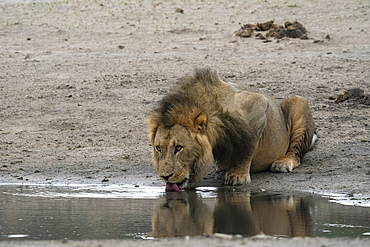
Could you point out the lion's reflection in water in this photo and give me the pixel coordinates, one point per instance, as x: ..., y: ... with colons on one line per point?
x: 237, y: 212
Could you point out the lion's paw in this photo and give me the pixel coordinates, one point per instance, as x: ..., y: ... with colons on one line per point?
x: 237, y: 178
x: 283, y: 165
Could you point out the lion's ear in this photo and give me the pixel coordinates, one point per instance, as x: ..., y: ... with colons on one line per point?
x: 200, y: 122
x: 152, y: 127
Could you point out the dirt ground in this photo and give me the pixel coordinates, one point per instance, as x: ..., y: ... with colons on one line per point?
x: 78, y: 78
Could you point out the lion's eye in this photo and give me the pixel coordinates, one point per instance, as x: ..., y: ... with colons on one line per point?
x: 178, y: 148
x: 158, y: 148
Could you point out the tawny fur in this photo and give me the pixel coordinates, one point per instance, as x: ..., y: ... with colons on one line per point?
x: 241, y: 131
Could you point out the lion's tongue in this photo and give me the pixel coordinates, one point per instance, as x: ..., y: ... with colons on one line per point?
x: 172, y: 187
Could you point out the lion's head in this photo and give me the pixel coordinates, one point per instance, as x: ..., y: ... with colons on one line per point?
x: 180, y: 157
x: 182, y: 130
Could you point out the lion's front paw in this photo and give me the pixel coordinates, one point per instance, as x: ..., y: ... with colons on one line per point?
x: 284, y: 165
x: 237, y: 178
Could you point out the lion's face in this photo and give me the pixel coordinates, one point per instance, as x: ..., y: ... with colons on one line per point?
x: 174, y: 154
x: 179, y: 156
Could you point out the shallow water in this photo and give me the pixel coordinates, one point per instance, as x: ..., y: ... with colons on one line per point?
x: 35, y: 212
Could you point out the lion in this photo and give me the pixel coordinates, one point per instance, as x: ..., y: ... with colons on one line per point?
x: 205, y: 120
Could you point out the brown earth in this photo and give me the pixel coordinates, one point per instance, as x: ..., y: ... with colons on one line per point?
x: 77, y: 79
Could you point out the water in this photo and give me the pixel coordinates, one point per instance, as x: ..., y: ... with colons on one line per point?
x: 76, y: 212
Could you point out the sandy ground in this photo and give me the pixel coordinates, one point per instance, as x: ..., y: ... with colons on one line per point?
x: 77, y: 79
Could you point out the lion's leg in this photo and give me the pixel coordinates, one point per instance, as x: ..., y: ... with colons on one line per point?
x: 255, y: 109
x: 301, y: 127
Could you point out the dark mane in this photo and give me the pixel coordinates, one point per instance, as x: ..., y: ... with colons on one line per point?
x: 233, y: 145
x: 192, y: 95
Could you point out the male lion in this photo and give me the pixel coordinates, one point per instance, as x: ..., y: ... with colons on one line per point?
x: 206, y: 120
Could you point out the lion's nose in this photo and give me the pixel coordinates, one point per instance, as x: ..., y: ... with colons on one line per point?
x: 167, y: 177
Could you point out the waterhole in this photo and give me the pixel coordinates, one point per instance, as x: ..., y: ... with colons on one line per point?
x: 79, y: 212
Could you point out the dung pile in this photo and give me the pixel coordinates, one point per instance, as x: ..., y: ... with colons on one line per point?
x: 355, y: 95
x: 289, y: 30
